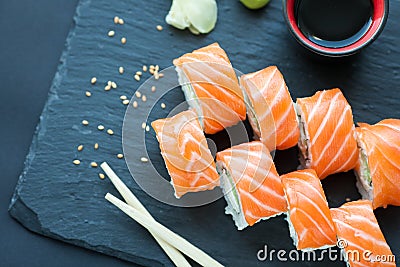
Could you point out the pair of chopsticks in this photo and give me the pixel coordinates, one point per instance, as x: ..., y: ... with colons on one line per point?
x: 170, y: 242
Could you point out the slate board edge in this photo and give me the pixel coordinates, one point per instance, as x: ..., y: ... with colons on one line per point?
x: 17, y: 208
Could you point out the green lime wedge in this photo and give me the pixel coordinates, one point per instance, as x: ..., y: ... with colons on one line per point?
x: 254, y: 4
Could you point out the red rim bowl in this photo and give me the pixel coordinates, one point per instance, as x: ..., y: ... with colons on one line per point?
x: 381, y: 11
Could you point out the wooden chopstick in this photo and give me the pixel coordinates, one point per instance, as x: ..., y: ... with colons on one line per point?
x: 177, y: 258
x: 158, y: 229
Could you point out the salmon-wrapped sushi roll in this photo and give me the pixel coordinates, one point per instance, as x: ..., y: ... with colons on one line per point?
x: 309, y: 217
x: 271, y: 113
x: 251, y: 184
x: 360, y: 237
x: 185, y: 151
x: 211, y: 87
x: 327, y: 138
x: 378, y: 168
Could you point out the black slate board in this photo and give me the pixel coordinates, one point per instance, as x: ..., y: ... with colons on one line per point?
x: 57, y: 199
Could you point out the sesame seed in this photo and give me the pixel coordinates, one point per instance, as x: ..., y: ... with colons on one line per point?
x: 121, y: 21
x: 123, y: 40
x: 111, y: 33
x: 152, y: 67
x: 116, y: 19
x: 144, y: 159
x: 102, y: 176
x: 107, y: 87
x: 151, y: 71
x: 114, y: 85
x: 85, y: 122
x: 161, y: 75
x: 159, y: 28
x: 110, y: 132
x: 77, y: 162
x: 93, y: 80
x: 135, y: 104
x: 147, y: 128
x: 144, y: 98
x: 109, y: 83
x: 80, y: 147
x: 100, y: 127
x: 143, y: 125
x: 348, y: 199
x: 88, y: 94
x: 125, y: 102
x: 139, y: 73
x: 156, y: 76
x: 163, y: 105
x: 123, y: 97
x: 120, y: 156
x: 93, y: 164
x: 144, y: 68
x: 121, y: 70
x: 138, y: 94
x: 137, y: 77
x: 96, y: 146
x: 153, y: 88
x: 157, y: 68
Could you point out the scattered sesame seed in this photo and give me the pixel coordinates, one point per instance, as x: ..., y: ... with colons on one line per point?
x: 137, y: 77
x: 93, y: 80
x: 102, y: 176
x: 96, y: 146
x: 80, y: 147
x: 121, y: 70
x: 114, y: 85
x: 163, y: 105
x: 144, y: 68
x: 139, y: 73
x: 111, y: 33
x: 123, y: 40
x: 88, y: 94
x: 85, y: 122
x: 156, y: 75
x: 109, y: 83
x: 147, y: 128
x: 135, y: 104
x: 152, y: 67
x: 157, y: 68
x: 144, y: 159
x: 153, y: 88
x: 93, y: 164
x: 123, y: 97
x: 348, y: 199
x: 120, y: 156
x: 107, y: 87
x: 159, y: 28
x: 151, y: 71
x: 143, y: 125
x: 110, y: 132
x: 161, y: 75
x: 125, y: 102
x: 116, y: 19
x: 144, y: 98
x: 77, y: 162
x: 100, y: 127
x: 138, y: 94
x: 121, y: 21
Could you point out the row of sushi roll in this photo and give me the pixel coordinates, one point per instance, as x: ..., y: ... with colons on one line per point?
x: 321, y: 125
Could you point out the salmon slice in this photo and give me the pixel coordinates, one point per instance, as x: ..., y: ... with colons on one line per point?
x: 211, y: 87
x: 327, y: 137
x: 185, y: 151
x: 309, y: 218
x: 359, y: 235
x: 378, y: 167
x: 271, y: 110
x: 251, y: 184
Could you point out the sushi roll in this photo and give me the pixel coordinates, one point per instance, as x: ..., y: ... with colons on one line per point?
x: 309, y: 217
x: 271, y: 110
x: 327, y: 138
x: 378, y: 168
x: 359, y: 235
x: 211, y: 87
x: 250, y: 183
x: 185, y: 151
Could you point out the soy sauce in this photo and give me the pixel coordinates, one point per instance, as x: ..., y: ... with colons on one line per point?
x: 334, y: 23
